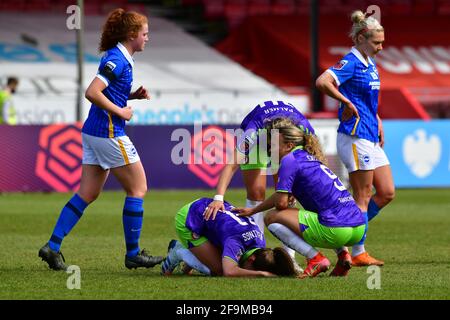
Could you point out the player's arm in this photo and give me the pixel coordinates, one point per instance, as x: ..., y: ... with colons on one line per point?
x: 224, y: 181
x: 327, y: 84
x: 232, y: 269
x: 279, y: 200
x: 94, y: 93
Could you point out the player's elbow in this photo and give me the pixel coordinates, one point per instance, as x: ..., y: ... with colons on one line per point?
x: 230, y: 270
x: 229, y: 273
x: 321, y: 84
x: 281, y: 204
x: 89, y: 95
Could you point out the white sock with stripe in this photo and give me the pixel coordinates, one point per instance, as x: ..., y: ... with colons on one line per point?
x: 258, y: 217
x: 292, y: 240
x: 187, y: 256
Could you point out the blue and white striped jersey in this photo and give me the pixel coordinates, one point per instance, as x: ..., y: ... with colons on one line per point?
x: 116, y: 71
x: 359, y: 82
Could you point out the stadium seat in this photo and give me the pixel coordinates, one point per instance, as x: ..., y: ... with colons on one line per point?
x: 423, y: 7
x: 235, y: 12
x: 443, y: 7
x: 37, y: 5
x: 258, y: 7
x: 302, y: 7
x: 213, y: 9
x: 400, y: 7
x: 284, y: 7
x: 8, y: 5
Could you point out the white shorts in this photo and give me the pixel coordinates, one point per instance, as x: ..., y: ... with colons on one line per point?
x: 360, y: 154
x: 108, y: 152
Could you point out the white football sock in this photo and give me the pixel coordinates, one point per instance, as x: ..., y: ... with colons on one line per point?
x: 187, y: 256
x: 292, y: 240
x: 258, y: 217
x: 357, y: 249
x: 290, y: 251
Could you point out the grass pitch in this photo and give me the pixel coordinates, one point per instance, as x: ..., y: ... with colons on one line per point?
x: 412, y: 236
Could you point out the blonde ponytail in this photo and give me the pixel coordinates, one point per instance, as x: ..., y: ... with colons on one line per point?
x: 362, y: 25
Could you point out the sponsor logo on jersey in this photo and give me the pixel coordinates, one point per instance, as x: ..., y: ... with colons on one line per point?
x: 110, y: 65
x: 340, y: 65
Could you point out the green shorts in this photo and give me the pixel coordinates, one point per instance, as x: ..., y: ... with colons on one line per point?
x: 256, y: 160
x: 187, y: 238
x: 322, y: 236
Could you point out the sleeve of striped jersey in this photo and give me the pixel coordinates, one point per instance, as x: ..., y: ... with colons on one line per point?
x: 110, y: 70
x: 342, y: 71
x: 286, y: 175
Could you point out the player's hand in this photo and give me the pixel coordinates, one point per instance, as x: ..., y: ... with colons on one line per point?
x: 212, y: 209
x: 126, y: 113
x: 140, y: 93
x: 291, y: 201
x: 380, y: 132
x: 267, y: 274
x: 349, y: 111
x: 243, y: 212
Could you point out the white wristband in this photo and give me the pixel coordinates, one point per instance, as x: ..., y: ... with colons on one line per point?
x: 218, y: 197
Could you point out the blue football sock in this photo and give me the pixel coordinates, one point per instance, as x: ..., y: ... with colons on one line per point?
x: 373, y: 209
x: 133, y: 213
x: 363, y: 239
x: 68, y: 218
x: 359, y: 248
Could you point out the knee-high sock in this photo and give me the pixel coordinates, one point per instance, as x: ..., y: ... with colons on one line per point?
x: 290, y: 251
x: 68, y: 218
x: 133, y: 213
x: 258, y: 217
x: 187, y: 256
x: 292, y: 240
x: 359, y: 247
x: 373, y: 210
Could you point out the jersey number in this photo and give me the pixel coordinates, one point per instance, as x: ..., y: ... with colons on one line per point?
x: 240, y: 220
x: 337, y: 184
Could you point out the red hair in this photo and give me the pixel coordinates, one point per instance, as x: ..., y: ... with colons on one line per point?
x: 119, y: 26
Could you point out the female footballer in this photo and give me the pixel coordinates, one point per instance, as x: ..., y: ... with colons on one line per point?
x: 360, y: 134
x: 227, y: 246
x: 106, y: 146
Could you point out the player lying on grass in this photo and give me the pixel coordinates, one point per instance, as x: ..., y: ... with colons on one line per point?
x: 227, y: 246
x: 330, y: 219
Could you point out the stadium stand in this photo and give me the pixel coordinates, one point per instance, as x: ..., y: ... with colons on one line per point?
x: 186, y: 78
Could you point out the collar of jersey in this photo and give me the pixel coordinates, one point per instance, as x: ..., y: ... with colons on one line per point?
x: 360, y: 57
x: 247, y: 254
x: 125, y: 52
x: 297, y: 148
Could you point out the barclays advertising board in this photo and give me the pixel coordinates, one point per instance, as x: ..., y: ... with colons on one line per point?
x: 419, y: 152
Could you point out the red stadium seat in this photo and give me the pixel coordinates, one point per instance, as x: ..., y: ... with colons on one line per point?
x: 214, y: 9
x: 258, y: 7
x: 443, y: 7
x: 284, y: 7
x: 400, y: 7
x: 37, y: 5
x: 235, y: 12
x: 423, y: 7
x: 15, y: 6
